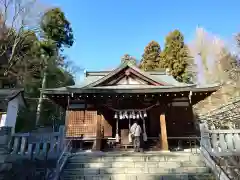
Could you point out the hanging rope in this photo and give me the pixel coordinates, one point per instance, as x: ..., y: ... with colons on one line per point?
x: 144, y: 131
x: 144, y: 109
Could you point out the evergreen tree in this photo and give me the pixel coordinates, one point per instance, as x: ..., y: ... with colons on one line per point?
x: 175, y: 56
x: 150, y: 58
x: 129, y: 58
x: 58, y: 34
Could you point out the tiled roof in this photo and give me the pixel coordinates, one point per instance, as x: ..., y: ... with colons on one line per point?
x: 8, y: 94
x: 92, y: 83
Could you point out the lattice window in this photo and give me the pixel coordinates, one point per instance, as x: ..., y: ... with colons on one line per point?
x: 81, y: 123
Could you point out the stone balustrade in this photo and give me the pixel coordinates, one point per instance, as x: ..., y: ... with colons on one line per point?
x: 220, y: 142
x: 36, y: 145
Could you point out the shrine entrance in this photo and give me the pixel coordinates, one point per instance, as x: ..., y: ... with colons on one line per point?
x: 124, y: 120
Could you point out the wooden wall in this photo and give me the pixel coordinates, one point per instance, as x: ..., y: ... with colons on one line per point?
x: 107, y: 123
x: 180, y: 121
x: 81, y: 123
x: 84, y: 123
x: 153, y: 127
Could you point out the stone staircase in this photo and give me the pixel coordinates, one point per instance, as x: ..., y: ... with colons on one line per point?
x: 3, y: 156
x: 3, y: 153
x: 136, y: 166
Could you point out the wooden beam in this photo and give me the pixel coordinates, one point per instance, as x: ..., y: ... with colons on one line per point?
x: 163, y: 140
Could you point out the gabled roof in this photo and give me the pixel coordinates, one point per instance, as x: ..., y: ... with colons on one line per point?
x: 157, y: 78
x: 9, y: 94
x: 98, y: 82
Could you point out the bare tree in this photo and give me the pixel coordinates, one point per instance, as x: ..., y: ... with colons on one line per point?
x: 72, y: 68
x: 221, y: 63
x: 208, y: 50
x: 17, y: 17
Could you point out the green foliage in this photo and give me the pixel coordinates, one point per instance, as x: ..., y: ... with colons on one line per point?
x: 175, y: 56
x: 57, y: 28
x: 150, y: 58
x: 128, y: 58
x: 25, y: 120
x: 22, y: 60
x: 58, y: 77
x: 46, y: 60
x: 57, y: 34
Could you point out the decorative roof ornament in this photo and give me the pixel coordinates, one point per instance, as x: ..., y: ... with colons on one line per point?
x: 168, y: 71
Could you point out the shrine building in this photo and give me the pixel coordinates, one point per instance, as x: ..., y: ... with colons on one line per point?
x: 102, y: 108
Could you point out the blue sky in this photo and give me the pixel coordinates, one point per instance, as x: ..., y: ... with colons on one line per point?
x: 106, y: 29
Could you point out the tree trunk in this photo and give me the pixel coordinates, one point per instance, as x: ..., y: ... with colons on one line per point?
x: 40, y: 100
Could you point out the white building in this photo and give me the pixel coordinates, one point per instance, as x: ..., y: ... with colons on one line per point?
x: 10, y: 102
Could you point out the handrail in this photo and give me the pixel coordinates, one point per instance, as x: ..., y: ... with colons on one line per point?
x: 62, y: 159
x: 217, y: 165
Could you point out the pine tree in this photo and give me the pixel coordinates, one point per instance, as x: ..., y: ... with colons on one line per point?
x: 175, y: 56
x: 150, y: 58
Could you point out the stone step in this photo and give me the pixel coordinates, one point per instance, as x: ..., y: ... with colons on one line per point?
x: 136, y: 166
x: 132, y: 164
x: 141, y: 158
x: 201, y: 176
x: 150, y: 170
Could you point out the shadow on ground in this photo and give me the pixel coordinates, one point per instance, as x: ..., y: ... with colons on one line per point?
x: 98, y: 167
x: 23, y: 169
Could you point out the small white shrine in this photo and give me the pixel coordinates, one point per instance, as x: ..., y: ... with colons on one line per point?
x: 10, y: 101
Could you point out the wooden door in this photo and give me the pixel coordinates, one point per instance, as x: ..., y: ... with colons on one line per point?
x: 124, y: 131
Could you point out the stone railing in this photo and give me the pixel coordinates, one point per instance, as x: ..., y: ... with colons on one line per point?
x: 220, y: 142
x: 37, y: 145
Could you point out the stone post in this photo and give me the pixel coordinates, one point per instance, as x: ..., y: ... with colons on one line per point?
x: 45, y: 145
x: 30, y: 151
x: 23, y: 145
x: 61, y: 139
x: 16, y: 145
x: 37, y: 149
x: 205, y: 136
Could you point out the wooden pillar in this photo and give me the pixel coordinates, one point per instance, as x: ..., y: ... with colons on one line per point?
x: 164, y: 140
x: 98, y: 133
